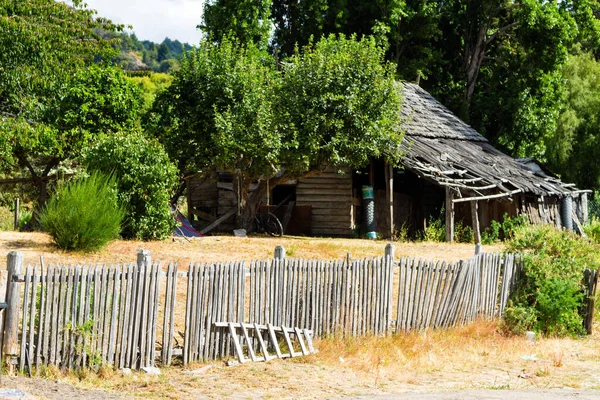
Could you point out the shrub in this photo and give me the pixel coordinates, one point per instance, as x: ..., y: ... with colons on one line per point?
x: 550, y: 293
x: 592, y: 230
x: 145, y: 177
x: 505, y: 230
x: 83, y: 214
x: 436, y: 231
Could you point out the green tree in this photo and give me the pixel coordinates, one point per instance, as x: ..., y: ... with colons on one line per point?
x: 297, y: 21
x: 500, y: 65
x: 575, y: 146
x: 333, y: 104
x: 245, y: 20
x: 46, y: 50
x: 94, y: 100
x: 164, y: 52
x: 145, y: 180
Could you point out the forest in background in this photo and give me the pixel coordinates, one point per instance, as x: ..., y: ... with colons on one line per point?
x: 145, y: 55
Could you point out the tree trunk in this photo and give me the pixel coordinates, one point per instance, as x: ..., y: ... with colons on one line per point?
x: 248, y: 202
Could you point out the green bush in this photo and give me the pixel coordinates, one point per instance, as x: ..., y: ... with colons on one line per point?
x: 145, y: 177
x: 436, y: 231
x: 505, y: 230
x: 592, y: 230
x: 83, y: 214
x: 550, y: 295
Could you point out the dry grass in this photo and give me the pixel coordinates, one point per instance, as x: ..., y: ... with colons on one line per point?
x: 223, y: 248
x: 471, y: 357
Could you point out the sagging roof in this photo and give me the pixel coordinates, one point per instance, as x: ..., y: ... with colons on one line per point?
x: 445, y: 150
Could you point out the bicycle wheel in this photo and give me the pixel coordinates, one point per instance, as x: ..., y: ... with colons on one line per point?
x: 272, y: 225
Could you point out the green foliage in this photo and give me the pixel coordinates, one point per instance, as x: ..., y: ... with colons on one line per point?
x: 498, y: 231
x: 338, y: 105
x: 435, y: 230
x: 575, y: 146
x: 219, y: 110
x: 145, y: 179
x: 97, y: 99
x: 592, y: 230
x: 244, y: 20
x: 53, y: 97
x: 228, y: 107
x: 550, y: 290
x: 150, y: 84
x: 462, y: 233
x: 84, y: 214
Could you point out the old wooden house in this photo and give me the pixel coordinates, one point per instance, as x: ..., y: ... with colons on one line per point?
x: 446, y: 166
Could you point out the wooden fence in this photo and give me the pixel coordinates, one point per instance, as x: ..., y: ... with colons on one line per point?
x: 74, y: 316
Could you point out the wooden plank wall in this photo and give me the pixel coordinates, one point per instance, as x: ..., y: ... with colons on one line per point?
x: 330, y: 195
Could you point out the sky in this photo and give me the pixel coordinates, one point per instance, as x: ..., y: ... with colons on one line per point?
x: 154, y: 19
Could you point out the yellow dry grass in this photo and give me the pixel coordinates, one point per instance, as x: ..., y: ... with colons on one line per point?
x: 223, y: 248
x: 471, y: 357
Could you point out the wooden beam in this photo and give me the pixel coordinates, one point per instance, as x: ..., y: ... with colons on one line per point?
x: 493, y: 196
x: 475, y: 217
x: 449, y: 215
x: 218, y: 222
x: 389, y: 195
x: 204, y: 215
x: 584, y: 208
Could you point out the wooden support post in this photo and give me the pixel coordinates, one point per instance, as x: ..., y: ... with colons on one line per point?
x: 475, y: 217
x: 144, y: 257
x: 14, y: 265
x: 389, y: 195
x: 584, y: 208
x: 17, y: 212
x: 449, y: 215
x: 279, y: 253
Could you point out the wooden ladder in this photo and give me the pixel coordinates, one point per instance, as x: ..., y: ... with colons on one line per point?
x: 303, y: 337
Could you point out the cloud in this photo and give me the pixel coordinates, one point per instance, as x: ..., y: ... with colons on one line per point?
x: 155, y: 19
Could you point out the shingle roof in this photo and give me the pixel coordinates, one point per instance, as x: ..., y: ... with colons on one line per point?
x: 425, y: 116
x: 445, y: 150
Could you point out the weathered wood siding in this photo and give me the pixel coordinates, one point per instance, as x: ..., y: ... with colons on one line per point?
x: 202, y: 192
x: 330, y: 195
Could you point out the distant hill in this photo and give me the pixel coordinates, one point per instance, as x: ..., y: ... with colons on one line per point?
x: 145, y: 55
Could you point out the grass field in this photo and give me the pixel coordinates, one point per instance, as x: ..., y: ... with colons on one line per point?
x: 477, y: 356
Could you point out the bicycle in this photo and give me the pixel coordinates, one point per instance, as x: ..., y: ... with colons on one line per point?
x: 267, y: 222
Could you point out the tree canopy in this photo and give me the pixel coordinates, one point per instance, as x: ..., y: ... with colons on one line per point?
x: 56, y: 90
x: 335, y: 103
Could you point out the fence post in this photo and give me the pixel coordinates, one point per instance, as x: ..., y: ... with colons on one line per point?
x: 14, y: 265
x: 279, y: 253
x: 144, y: 257
x: 17, y: 212
x: 389, y: 250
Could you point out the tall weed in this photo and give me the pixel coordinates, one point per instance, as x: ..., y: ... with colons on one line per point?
x: 84, y: 214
